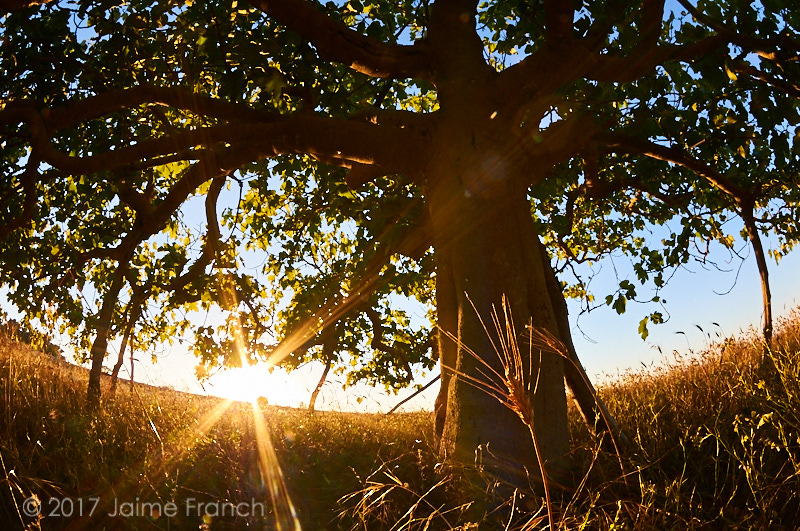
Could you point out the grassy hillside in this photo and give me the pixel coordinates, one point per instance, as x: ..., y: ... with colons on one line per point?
x: 159, y: 446
x: 714, y: 444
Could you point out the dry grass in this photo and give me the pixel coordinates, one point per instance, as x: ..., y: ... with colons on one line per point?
x: 715, y: 445
x: 716, y: 436
x: 163, y: 446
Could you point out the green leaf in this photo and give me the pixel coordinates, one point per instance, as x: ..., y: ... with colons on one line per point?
x: 619, y: 304
x: 643, y: 328
x: 731, y: 74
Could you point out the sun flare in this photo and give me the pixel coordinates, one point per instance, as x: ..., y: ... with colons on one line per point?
x: 251, y: 382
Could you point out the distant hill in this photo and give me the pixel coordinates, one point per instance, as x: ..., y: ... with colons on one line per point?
x: 160, y: 445
x: 12, y: 330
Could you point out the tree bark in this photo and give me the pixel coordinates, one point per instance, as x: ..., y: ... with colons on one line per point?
x: 763, y: 271
x: 592, y: 408
x: 328, y: 348
x: 448, y: 328
x: 133, y: 316
x: 487, y: 246
x: 100, y: 344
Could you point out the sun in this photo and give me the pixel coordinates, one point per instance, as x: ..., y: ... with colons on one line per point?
x: 250, y: 382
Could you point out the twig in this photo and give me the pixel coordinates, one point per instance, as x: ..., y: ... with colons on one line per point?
x: 420, y: 390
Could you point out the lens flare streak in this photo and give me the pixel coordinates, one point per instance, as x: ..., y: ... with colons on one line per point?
x: 272, y: 475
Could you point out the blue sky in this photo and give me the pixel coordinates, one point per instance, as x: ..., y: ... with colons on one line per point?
x: 698, y: 296
x: 608, y: 344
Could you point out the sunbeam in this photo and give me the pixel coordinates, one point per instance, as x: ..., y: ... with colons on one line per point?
x: 272, y: 475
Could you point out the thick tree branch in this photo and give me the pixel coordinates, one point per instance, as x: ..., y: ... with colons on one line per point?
x: 353, y: 141
x: 214, y: 163
x: 8, y: 6
x: 561, y: 141
x: 652, y: 16
x: 177, y: 97
x: 212, y: 239
x: 792, y: 89
x: 153, y: 218
x: 523, y: 82
x: 558, y: 19
x: 778, y: 48
x: 677, y: 156
x: 361, y: 174
x: 395, y: 117
x: 335, y: 42
x: 644, y: 59
x: 138, y: 201
x: 349, y: 142
x: 594, y: 188
x: 457, y: 47
x: 565, y: 59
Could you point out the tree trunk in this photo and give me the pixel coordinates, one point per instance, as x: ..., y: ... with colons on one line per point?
x: 487, y: 249
x: 100, y: 344
x: 592, y: 408
x: 763, y: 272
x: 112, y: 392
x: 328, y: 348
x: 135, y: 311
x: 448, y: 328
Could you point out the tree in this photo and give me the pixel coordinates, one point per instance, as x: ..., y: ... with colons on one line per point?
x: 445, y: 151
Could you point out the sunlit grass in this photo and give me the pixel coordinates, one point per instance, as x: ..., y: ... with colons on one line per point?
x: 163, y: 446
x: 714, y: 445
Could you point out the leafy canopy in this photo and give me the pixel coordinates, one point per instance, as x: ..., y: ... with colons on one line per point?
x: 260, y: 162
